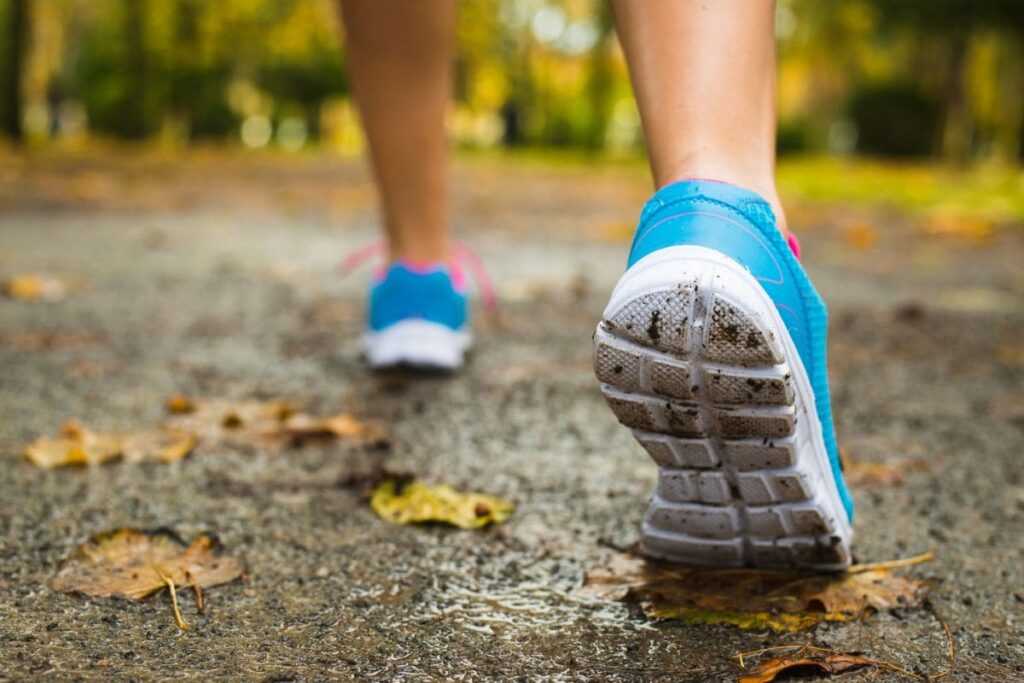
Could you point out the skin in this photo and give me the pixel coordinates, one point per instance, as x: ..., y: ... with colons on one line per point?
x: 400, y: 55
x: 703, y: 72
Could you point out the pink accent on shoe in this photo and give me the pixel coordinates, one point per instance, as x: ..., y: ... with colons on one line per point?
x: 794, y: 244
x: 457, y: 275
x: 463, y: 253
x: 359, y: 256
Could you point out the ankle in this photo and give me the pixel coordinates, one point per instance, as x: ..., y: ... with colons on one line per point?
x: 421, y: 255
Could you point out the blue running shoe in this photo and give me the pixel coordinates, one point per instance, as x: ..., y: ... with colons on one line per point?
x: 712, y: 350
x: 417, y: 317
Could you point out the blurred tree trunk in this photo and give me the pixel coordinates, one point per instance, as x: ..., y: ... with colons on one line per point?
x: 516, y: 109
x: 135, y: 124
x: 957, y: 122
x: 183, y: 82
x: 1010, y: 122
x: 600, y: 81
x: 312, y: 112
x: 18, y: 26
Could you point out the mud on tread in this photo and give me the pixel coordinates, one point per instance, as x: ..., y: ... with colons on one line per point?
x: 701, y: 378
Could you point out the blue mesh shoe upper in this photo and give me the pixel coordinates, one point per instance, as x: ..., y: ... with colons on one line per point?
x: 405, y: 293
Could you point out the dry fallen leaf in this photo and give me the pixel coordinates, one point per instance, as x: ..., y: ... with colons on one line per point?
x: 134, y: 563
x: 241, y: 424
x: 891, y: 473
x: 225, y: 421
x: 128, y: 563
x: 78, y: 445
x: 264, y: 424
x: 48, y: 340
x: 1010, y: 355
x: 860, y: 473
x: 416, y: 502
x: 180, y: 405
x: 860, y: 236
x: 798, y: 659
x: 972, y: 226
x: 784, y: 601
x: 825, y: 662
x: 617, y: 232
x: 50, y: 453
x: 36, y: 287
x: 162, y: 445
x: 301, y: 427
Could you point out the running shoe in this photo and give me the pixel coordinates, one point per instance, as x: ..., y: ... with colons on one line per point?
x: 712, y: 350
x: 417, y: 317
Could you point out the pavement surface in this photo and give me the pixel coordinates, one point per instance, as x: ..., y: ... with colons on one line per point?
x: 217, y: 279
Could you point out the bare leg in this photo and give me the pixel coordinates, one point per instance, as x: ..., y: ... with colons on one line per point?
x: 704, y: 76
x: 401, y: 54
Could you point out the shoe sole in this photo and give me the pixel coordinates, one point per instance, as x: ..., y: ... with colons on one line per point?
x: 418, y: 344
x: 693, y: 356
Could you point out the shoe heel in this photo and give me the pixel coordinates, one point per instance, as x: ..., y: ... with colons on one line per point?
x: 693, y: 357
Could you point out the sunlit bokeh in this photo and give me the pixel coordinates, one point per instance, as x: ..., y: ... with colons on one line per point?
x: 912, y: 79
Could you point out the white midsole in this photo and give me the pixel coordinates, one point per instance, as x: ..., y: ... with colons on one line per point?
x: 416, y: 342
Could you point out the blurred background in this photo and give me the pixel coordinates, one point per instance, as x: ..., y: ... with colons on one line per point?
x: 180, y: 179
x: 932, y: 87
x: 909, y: 78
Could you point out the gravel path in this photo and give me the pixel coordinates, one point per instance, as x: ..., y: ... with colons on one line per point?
x: 234, y: 293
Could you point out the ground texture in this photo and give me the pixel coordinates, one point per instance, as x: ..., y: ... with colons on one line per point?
x: 218, y: 278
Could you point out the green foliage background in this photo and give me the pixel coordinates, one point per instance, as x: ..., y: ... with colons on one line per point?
x: 912, y: 78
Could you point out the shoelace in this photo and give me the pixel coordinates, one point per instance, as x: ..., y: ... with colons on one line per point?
x: 463, y: 254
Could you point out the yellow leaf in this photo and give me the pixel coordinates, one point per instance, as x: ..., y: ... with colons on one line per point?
x: 36, y: 287
x: 416, y: 502
x: 50, y: 453
x: 78, y: 445
x: 162, y: 445
x: 750, y: 621
x: 784, y: 601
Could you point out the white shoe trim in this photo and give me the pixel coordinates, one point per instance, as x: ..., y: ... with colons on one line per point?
x: 418, y: 343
